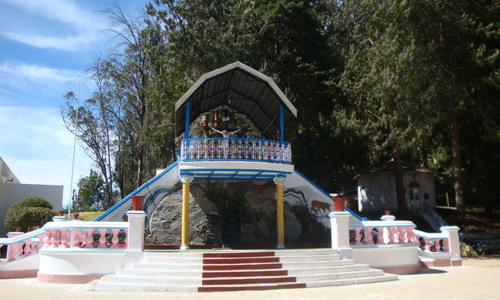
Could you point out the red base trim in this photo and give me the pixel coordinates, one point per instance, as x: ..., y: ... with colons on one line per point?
x: 441, y: 263
x: 18, y: 274
x: 401, y: 270
x: 244, y: 246
x: 72, y: 279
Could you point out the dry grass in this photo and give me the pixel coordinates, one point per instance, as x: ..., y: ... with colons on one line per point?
x: 475, y: 219
x: 88, y: 216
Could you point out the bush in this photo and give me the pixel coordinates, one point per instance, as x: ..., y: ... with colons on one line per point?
x: 30, y: 213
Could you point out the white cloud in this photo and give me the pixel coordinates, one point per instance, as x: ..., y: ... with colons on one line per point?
x: 38, y: 148
x: 77, y: 27
x: 32, y: 72
x: 64, y: 11
x: 71, y: 43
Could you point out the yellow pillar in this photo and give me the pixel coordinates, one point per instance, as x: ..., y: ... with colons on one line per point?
x: 280, y: 220
x: 186, y: 180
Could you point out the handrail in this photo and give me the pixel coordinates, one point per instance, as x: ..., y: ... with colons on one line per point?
x: 22, y: 237
x: 23, y: 245
x: 235, y: 149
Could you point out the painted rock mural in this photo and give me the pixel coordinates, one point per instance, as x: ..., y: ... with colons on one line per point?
x: 250, y: 221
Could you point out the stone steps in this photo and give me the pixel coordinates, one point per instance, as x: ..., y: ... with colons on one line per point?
x: 239, y: 270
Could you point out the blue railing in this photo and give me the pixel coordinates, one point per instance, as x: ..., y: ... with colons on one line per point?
x: 235, y: 149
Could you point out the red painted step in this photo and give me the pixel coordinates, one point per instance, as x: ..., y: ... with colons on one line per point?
x: 251, y: 287
x: 238, y: 254
x: 221, y: 267
x: 214, y: 274
x: 248, y: 280
x: 241, y: 260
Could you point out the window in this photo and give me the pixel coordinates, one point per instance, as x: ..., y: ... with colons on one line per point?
x: 414, y: 191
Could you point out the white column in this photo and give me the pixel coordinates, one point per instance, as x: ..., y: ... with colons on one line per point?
x: 453, y: 241
x: 340, y: 233
x: 135, y: 246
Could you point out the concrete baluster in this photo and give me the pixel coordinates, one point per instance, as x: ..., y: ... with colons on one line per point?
x: 402, y: 235
x: 12, y: 250
x: 391, y: 235
x: 90, y: 237
x: 40, y: 243
x: 83, y: 238
x: 76, y: 238
x: 27, y: 247
x: 64, y: 238
x: 47, y: 239
x: 102, y: 238
x: 411, y: 236
x: 368, y: 236
x: 20, y: 249
x: 397, y: 238
x: 380, y: 239
x: 437, y: 245
x: 115, y: 237
x: 54, y: 242
x: 427, y: 244
x: 357, y: 237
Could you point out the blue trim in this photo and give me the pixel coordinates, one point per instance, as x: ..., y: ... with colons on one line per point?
x: 187, y: 120
x: 124, y: 200
x: 238, y: 170
x: 282, y: 124
x: 236, y: 139
x: 434, y: 235
x: 89, y: 250
x: 23, y: 240
x: 238, y: 159
x: 228, y: 178
x: 385, y: 246
x: 323, y: 191
x: 21, y: 258
x: 85, y: 227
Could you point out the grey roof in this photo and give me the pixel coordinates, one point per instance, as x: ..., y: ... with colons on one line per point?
x: 241, y: 88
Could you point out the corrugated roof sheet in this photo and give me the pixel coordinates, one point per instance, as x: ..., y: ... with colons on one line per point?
x: 241, y: 88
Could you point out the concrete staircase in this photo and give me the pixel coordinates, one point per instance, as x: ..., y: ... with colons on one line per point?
x: 239, y: 270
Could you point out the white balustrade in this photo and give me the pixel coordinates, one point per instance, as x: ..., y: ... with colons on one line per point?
x: 236, y: 149
x: 431, y: 242
x: 88, y: 235
x: 22, y: 244
x: 386, y: 232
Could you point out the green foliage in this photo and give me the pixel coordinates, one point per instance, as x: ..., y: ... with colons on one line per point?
x: 372, y: 80
x: 91, y: 194
x: 227, y: 203
x: 28, y: 214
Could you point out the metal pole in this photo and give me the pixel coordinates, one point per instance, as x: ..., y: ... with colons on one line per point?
x: 74, y: 148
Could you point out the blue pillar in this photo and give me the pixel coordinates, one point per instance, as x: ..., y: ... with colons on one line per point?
x: 282, y: 124
x: 187, y: 120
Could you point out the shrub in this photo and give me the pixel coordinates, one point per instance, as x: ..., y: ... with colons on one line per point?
x: 28, y: 214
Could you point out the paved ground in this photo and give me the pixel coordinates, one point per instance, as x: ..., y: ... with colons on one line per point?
x: 477, y: 279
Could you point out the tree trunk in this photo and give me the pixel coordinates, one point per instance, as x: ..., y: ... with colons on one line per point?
x: 400, y: 189
x: 399, y: 174
x: 457, y: 167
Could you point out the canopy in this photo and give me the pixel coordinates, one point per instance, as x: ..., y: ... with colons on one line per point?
x: 241, y: 88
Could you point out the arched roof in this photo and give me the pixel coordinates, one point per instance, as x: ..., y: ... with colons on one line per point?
x: 242, y: 88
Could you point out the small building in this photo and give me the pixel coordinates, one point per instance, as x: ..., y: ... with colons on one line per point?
x: 12, y: 191
x: 377, y: 188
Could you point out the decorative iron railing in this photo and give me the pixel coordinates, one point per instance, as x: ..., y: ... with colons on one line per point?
x: 203, y: 149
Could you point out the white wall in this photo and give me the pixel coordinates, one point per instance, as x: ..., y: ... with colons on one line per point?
x: 381, y: 190
x: 15, y: 192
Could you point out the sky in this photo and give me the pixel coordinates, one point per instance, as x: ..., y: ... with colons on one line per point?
x: 46, y: 46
